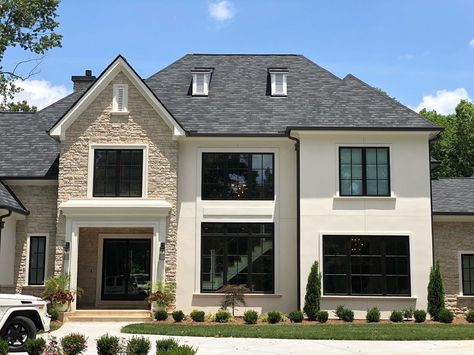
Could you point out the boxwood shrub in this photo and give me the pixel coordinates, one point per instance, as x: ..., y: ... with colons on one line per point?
x: 470, y: 316
x: 419, y: 315
x: 108, y: 345
x: 197, y: 316
x: 446, y: 316
x: 347, y: 315
x: 274, y: 317
x: 296, y: 316
x: 373, y: 315
x: 161, y: 315
x: 178, y: 316
x: 396, y: 316
x: 222, y: 316
x: 322, y: 316
x: 138, y: 346
x: 250, y: 316
x: 35, y: 346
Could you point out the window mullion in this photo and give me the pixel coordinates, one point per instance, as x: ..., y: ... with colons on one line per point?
x: 364, y: 173
x: 384, y: 267
x: 349, y: 266
x: 249, y: 262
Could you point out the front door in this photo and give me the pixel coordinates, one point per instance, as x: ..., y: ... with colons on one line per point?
x: 125, y: 269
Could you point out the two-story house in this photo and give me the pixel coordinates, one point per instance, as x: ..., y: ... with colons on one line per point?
x: 221, y: 169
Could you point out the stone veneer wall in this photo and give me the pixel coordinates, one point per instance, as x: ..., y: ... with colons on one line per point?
x: 142, y: 126
x: 41, y: 202
x: 449, y: 239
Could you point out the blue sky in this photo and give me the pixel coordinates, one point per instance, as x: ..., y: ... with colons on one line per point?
x: 421, y: 52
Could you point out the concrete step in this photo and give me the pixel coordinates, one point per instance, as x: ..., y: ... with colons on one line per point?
x: 108, y: 315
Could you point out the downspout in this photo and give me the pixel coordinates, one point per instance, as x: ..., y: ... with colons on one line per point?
x: 430, y: 148
x: 2, y: 225
x: 298, y: 222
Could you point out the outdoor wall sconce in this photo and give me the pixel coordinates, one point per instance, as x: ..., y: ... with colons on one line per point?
x: 67, y: 247
x: 162, y: 250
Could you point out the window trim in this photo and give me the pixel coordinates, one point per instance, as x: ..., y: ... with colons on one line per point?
x: 90, y: 172
x: 367, y: 234
x: 116, y: 88
x: 274, y: 264
x: 461, y: 271
x: 46, y: 256
x: 364, y: 179
x: 273, y: 74
x: 237, y: 151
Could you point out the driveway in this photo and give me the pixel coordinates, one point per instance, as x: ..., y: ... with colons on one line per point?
x: 225, y: 346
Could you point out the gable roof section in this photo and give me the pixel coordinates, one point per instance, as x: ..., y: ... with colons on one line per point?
x: 239, y: 100
x: 453, y: 196
x: 118, y: 65
x: 9, y: 201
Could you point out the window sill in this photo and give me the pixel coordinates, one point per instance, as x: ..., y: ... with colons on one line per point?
x: 398, y: 298
x: 247, y: 295
x: 466, y: 297
x: 34, y: 286
x: 120, y: 113
x: 364, y: 198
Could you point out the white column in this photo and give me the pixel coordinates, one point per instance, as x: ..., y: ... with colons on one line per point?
x: 73, y: 256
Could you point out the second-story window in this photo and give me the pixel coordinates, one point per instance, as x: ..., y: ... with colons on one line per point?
x: 118, y: 173
x: 364, y: 171
x: 237, y: 176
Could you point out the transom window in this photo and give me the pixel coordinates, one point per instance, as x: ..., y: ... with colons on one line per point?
x: 237, y: 176
x: 366, y: 265
x: 118, y: 173
x: 237, y: 253
x: 364, y: 171
x: 37, y: 260
x: 467, y: 263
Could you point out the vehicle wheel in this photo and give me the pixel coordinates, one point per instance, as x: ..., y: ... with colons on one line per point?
x: 17, y: 330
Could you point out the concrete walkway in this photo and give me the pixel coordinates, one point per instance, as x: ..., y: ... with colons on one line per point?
x: 228, y: 346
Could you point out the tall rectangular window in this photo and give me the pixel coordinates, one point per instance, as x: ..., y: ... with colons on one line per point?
x: 237, y: 253
x: 366, y: 265
x: 467, y: 263
x: 37, y: 260
x: 237, y: 176
x: 118, y: 173
x: 364, y: 171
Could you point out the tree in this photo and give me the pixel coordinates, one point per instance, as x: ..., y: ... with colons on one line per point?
x: 435, y: 292
x: 29, y: 25
x: 234, y: 295
x: 455, y: 146
x: 20, y: 106
x: 312, y: 299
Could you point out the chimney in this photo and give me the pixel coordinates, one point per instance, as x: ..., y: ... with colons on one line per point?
x: 82, y: 82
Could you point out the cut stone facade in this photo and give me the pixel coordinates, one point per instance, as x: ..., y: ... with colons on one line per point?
x: 97, y: 125
x: 449, y: 239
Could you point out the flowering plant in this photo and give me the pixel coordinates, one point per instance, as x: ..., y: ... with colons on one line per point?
x: 74, y: 344
x: 161, y: 294
x: 62, y: 297
x: 56, y: 290
x: 52, y: 347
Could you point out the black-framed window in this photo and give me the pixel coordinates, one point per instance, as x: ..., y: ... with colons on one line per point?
x: 237, y: 253
x: 366, y: 265
x: 467, y: 264
x: 364, y: 171
x: 118, y: 173
x: 237, y: 176
x: 37, y: 260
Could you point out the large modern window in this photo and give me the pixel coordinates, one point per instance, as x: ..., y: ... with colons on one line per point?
x: 36, y: 260
x: 467, y: 264
x: 237, y: 176
x: 237, y: 253
x: 118, y: 173
x: 366, y: 265
x: 364, y: 171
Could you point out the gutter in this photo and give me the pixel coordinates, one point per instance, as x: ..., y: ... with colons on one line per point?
x: 298, y: 222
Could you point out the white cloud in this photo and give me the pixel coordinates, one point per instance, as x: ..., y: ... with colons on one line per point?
x: 471, y: 42
x: 40, y: 93
x: 444, y: 101
x: 407, y: 56
x: 222, y: 11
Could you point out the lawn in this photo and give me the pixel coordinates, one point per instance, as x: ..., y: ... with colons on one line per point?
x: 369, y: 331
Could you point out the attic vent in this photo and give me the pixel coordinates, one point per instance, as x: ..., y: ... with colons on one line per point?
x: 201, y: 78
x: 279, y: 81
x: 120, y: 100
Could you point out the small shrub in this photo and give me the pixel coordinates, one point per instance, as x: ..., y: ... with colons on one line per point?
x: 419, y: 315
x: 322, y: 316
x: 198, y: 316
x: 3, y: 347
x: 165, y: 345
x: 274, y: 317
x: 263, y: 317
x: 180, y: 350
x: 312, y: 298
x: 222, y: 316
x: 108, y: 345
x: 35, y: 346
x: 339, y: 310
x: 178, y: 316
x: 53, y: 312
x: 74, y: 344
x: 138, y: 346
x: 470, y: 316
x: 408, y: 313
x: 373, y: 315
x: 296, y: 316
x: 396, y: 316
x: 347, y: 315
x: 161, y: 315
x: 250, y: 316
x: 446, y: 316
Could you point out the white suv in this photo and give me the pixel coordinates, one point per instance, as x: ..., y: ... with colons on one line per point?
x: 21, y: 316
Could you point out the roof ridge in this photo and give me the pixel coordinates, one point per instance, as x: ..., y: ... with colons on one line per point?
x: 249, y: 54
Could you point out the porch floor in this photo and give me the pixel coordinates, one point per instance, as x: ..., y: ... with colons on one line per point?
x: 107, y: 315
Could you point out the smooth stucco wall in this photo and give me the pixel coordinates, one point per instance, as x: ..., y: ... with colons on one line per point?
x: 7, y: 256
x: 406, y: 213
x: 192, y: 211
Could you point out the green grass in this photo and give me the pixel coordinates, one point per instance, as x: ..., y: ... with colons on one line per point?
x: 371, y: 331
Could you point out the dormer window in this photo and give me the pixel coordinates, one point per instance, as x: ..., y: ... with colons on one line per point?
x: 201, y: 78
x: 279, y: 81
x: 120, y: 99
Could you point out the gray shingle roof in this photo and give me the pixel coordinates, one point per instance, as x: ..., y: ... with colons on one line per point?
x: 453, y: 196
x: 8, y: 200
x: 239, y: 100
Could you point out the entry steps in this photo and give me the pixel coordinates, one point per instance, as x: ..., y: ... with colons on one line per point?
x: 108, y: 315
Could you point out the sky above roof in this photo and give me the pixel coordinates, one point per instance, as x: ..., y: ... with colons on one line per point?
x: 421, y: 52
